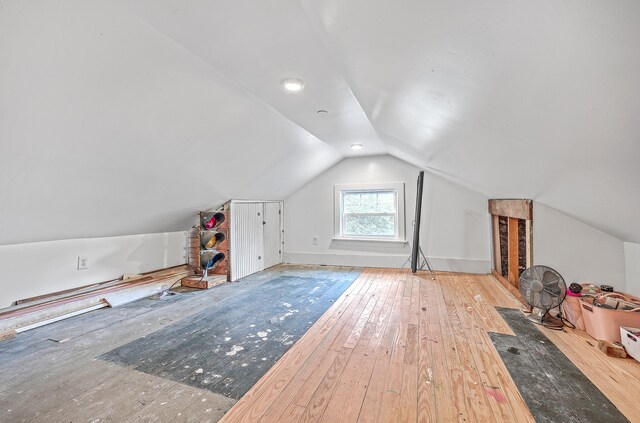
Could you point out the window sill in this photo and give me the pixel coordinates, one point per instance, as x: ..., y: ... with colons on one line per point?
x: 376, y: 240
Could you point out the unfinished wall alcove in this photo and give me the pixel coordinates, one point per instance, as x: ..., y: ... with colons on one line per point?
x: 512, y: 239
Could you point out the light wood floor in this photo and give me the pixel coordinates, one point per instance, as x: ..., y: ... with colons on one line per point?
x: 399, y: 347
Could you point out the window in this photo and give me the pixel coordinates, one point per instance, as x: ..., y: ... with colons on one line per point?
x: 370, y: 212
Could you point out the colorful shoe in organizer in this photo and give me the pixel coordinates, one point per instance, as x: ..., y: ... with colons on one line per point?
x: 211, y: 239
x: 212, y: 220
x: 211, y: 258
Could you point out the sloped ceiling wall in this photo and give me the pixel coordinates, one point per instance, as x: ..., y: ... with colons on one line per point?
x: 108, y: 127
x: 515, y: 98
x: 128, y: 116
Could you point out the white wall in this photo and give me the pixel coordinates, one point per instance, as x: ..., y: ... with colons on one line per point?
x: 455, y: 223
x: 576, y: 250
x: 108, y: 127
x: 28, y: 270
x: 632, y: 264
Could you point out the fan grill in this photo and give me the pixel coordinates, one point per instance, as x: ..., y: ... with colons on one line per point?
x: 542, y: 287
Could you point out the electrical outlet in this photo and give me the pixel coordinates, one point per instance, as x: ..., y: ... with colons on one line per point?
x: 315, y: 240
x: 83, y: 262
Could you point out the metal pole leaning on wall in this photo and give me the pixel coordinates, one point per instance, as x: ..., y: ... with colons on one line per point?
x: 416, y: 250
x: 416, y: 228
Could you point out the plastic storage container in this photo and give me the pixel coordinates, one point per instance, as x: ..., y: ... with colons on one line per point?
x: 572, y: 311
x: 571, y: 307
x: 604, y: 324
x: 631, y: 341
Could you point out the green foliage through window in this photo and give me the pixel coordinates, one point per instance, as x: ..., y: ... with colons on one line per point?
x: 369, y: 213
x: 369, y: 225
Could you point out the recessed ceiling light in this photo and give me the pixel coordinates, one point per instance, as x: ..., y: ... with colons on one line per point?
x: 293, y: 85
x: 356, y: 146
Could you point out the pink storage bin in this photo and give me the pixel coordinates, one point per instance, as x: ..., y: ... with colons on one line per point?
x: 572, y: 310
x: 604, y: 324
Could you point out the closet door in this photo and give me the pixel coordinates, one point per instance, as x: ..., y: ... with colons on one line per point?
x: 247, y: 245
x: 272, y: 235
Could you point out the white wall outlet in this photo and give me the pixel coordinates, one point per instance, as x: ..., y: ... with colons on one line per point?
x: 83, y: 262
x: 315, y: 240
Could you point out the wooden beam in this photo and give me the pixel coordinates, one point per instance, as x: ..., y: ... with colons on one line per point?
x: 529, y: 242
x: 169, y: 275
x: 7, y: 334
x: 497, y: 260
x: 519, y: 209
x: 203, y: 283
x: 514, y: 274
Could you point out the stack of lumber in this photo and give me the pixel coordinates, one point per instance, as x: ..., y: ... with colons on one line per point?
x: 37, y: 311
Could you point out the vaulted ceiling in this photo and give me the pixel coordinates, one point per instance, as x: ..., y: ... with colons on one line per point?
x: 122, y: 117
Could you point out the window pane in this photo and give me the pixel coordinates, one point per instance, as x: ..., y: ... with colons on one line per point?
x: 369, y: 202
x: 350, y: 198
x: 386, y: 198
x: 369, y: 225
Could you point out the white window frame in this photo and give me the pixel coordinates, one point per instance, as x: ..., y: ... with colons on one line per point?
x: 400, y: 232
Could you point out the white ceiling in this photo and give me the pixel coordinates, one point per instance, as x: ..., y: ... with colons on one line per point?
x: 127, y: 117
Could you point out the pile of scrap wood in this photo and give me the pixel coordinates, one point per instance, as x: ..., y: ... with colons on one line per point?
x: 37, y: 311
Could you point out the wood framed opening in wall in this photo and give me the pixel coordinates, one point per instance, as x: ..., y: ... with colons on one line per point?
x: 512, y: 240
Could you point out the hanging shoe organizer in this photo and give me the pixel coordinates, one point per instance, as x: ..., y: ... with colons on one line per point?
x: 209, y: 248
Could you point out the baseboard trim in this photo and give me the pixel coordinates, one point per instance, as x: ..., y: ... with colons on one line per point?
x: 389, y: 261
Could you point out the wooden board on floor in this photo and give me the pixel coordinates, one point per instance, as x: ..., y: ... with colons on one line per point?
x: 200, y: 282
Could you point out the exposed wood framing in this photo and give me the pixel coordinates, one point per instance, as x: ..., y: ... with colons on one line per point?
x: 529, y: 241
x: 514, y: 274
x: 495, y: 221
x: 514, y: 210
x: 519, y: 209
x: 224, y: 268
x: 195, y: 247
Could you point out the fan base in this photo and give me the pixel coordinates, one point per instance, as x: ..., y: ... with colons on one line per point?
x: 541, y: 317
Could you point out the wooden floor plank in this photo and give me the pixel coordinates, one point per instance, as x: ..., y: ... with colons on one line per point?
x: 312, y: 362
x: 409, y: 394
x: 292, y: 414
x: 394, y: 347
x: 454, y: 369
x: 373, y: 396
x: 319, y: 400
x: 407, y: 348
x: 427, y: 325
x: 261, y: 397
x: 353, y: 384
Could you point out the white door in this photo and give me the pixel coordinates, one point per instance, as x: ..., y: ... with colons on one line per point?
x: 247, y: 239
x: 272, y: 235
